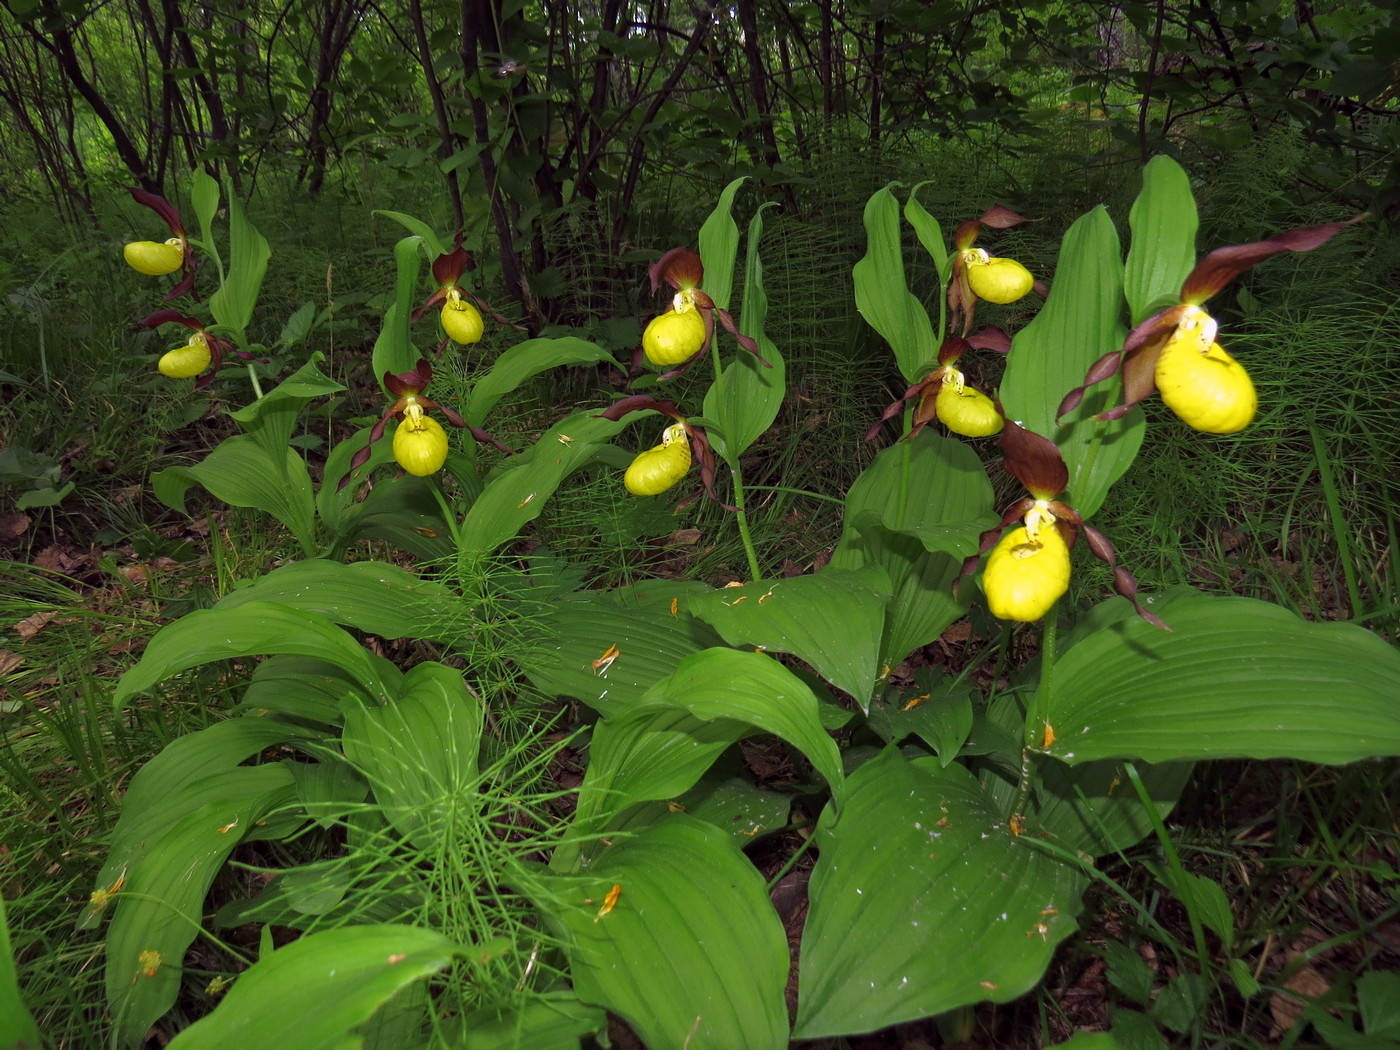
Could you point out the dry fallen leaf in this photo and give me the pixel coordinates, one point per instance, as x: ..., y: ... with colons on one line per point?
x: 32, y: 625
x: 1306, y: 984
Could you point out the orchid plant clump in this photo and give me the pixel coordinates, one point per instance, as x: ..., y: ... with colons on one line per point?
x: 945, y: 844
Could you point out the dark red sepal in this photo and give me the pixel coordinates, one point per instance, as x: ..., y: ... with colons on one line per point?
x: 161, y: 207
x: 1033, y: 460
x: 638, y: 403
x: 680, y: 268
x: 989, y: 338
x: 411, y: 382
x: 448, y: 268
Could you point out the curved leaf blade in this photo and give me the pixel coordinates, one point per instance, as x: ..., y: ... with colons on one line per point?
x: 882, y: 292
x: 922, y: 901
x: 524, y: 361
x: 1163, y: 220
x: 1234, y: 677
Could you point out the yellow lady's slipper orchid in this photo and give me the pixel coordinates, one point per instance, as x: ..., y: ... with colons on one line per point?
x: 154, y: 258
x: 965, y: 410
x: 657, y: 469
x: 1026, y: 574
x: 1207, y: 388
x: 420, y: 443
x: 185, y: 362
x: 675, y: 336
x: 996, y: 280
x: 461, y: 320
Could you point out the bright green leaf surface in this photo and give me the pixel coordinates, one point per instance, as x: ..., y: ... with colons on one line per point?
x: 719, y: 246
x: 1163, y: 221
x: 248, y: 630
x: 882, y: 293
x: 371, y: 596
x: 232, y: 305
x: 832, y: 619
x: 1233, y: 678
x: 524, y: 361
x: 922, y: 901
x: 1080, y: 322
x: 17, y: 1028
x: 692, y: 954
x: 347, y: 974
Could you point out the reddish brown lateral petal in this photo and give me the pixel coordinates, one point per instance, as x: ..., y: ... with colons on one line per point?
x: 1002, y: 218
x: 186, y: 284
x: 1034, y: 461
x: 1100, y: 370
x: 744, y: 341
x: 895, y: 408
x: 988, y: 338
x: 361, y: 457
x: 680, y: 268
x: 1223, y: 265
x: 494, y: 314
x: 1140, y: 372
x: 452, y: 416
x: 448, y: 269
x: 702, y: 299
x: 432, y: 300
x: 684, y: 367
x: 1160, y: 323
x: 161, y: 207
x: 638, y: 403
x: 161, y: 317
x: 1123, y: 581
x: 1041, y: 288
x: 481, y: 436
x: 705, y: 456
x: 962, y: 301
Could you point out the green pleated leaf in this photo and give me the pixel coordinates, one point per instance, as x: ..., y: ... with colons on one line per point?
x: 347, y: 973
x: 233, y: 304
x: 555, y: 1021
x: 922, y: 901
x: 691, y: 953
x: 1080, y: 322
x: 1163, y: 252
x: 1234, y: 678
x: 516, y: 494
x: 161, y: 901
x: 745, y: 399
x: 403, y: 511
x: 719, y: 246
x: 724, y: 796
x: 932, y: 487
x: 575, y: 656
x: 337, y: 506
x: 272, y: 417
x: 241, y: 472
x: 833, y: 620
x: 394, y: 351
x: 371, y: 596
x: 523, y: 362
x: 431, y: 244
x: 882, y: 292
x: 252, y: 629
x: 419, y: 752
x: 929, y: 232
x: 756, y: 689
x: 16, y: 1022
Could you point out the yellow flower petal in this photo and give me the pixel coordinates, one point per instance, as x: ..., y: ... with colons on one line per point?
x: 657, y: 469
x: 1209, y: 390
x: 1025, y: 577
x: 999, y: 280
x: 153, y: 258
x: 673, y: 337
x: 420, y: 446
x: 462, y: 321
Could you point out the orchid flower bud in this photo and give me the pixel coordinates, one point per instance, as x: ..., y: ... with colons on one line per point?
x: 657, y: 469
x: 154, y: 258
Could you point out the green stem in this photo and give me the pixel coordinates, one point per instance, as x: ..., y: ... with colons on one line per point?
x: 741, y: 516
x: 1036, y: 718
x: 448, y: 515
x: 253, y: 378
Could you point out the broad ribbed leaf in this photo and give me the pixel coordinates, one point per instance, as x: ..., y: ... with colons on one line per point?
x: 553, y: 1021
x: 608, y: 654
x: 517, y: 494
x: 21, y: 1033
x: 745, y: 399
x: 431, y: 244
x: 524, y: 361
x: 1163, y: 252
x: 336, y: 505
x: 833, y: 620
x: 1234, y: 678
x: 419, y: 752
x: 232, y: 305
x: 719, y: 246
x: 272, y: 417
x: 162, y: 897
x: 347, y: 974
x: 691, y: 953
x: 371, y: 596
x: 394, y: 351
x: 882, y: 292
x: 242, y: 473
x: 724, y: 796
x: 922, y: 901
x: 253, y: 629
x: 932, y: 487
x: 1080, y: 322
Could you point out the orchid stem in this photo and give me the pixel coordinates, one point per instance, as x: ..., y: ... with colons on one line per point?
x: 742, y: 517
x: 253, y: 378
x: 448, y: 515
x: 1036, y: 718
